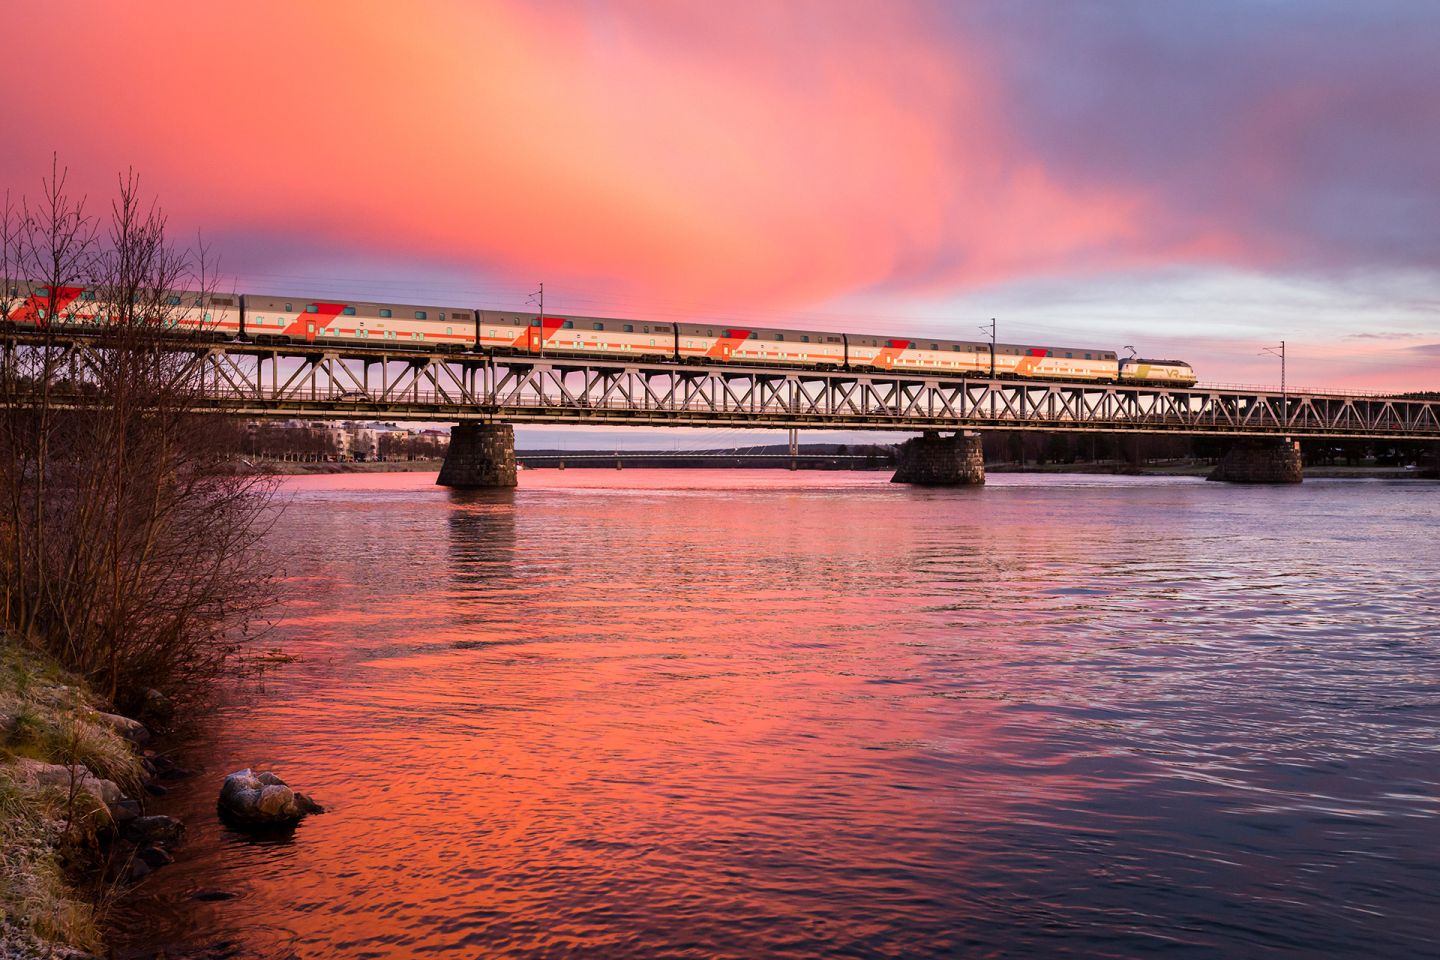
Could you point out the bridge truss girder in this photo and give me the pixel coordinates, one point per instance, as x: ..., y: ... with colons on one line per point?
x: 260, y: 381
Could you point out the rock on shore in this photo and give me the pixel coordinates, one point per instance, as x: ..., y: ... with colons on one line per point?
x: 263, y: 800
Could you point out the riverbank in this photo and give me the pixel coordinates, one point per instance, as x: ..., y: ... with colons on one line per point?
x: 1192, y: 468
x: 1177, y: 469
x: 304, y: 468
x: 71, y: 829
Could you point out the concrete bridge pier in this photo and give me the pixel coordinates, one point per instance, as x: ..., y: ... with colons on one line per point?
x: 481, y: 456
x: 1430, y: 462
x: 931, y: 460
x: 1267, y: 460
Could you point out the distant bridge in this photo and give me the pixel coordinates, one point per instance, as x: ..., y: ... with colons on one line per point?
x: 591, y: 457
x: 304, y: 381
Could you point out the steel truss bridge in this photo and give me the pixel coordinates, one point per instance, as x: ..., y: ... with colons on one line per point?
x: 299, y: 381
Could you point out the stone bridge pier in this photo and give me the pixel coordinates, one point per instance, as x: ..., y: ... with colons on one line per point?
x: 931, y: 460
x: 1261, y: 461
x: 481, y: 456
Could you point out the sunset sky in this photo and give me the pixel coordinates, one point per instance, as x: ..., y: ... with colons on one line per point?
x: 1199, y: 179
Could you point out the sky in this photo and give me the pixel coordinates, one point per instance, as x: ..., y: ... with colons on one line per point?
x: 1199, y: 180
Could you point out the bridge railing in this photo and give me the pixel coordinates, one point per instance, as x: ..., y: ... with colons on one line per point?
x: 1293, y: 391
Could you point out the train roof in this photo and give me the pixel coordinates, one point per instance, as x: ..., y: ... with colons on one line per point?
x: 376, y: 304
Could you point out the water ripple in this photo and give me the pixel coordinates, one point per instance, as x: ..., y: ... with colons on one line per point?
x: 712, y: 714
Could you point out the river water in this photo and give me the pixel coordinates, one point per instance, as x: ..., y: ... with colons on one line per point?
x: 772, y: 714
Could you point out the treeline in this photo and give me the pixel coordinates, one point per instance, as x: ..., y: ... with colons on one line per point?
x: 1040, y: 448
x: 128, y: 541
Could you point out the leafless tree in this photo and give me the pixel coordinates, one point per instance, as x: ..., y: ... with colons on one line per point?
x: 131, y: 543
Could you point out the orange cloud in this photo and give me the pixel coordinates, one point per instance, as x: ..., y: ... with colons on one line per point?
x: 797, y: 153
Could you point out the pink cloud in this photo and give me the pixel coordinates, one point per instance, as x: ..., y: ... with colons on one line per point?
x: 780, y: 158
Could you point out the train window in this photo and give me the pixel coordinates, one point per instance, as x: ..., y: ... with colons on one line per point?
x: 934, y: 346
x: 311, y: 308
x: 568, y: 324
x: 442, y: 317
x: 259, y: 320
x: 208, y: 318
x: 348, y: 311
x: 90, y: 295
x: 535, y: 322
x: 597, y: 326
x: 629, y: 328
x: 709, y: 333
x: 832, y: 339
x: 460, y: 316
x: 419, y: 314
x: 449, y: 331
x: 779, y: 336
x: 1069, y: 355
x: 172, y: 301
x: 804, y: 339
x: 384, y: 312
x: 754, y: 335
x: 652, y: 343
x: 289, y: 308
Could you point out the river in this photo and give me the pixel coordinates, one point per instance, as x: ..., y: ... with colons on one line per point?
x: 753, y: 714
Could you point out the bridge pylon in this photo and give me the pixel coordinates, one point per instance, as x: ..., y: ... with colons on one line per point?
x: 481, y: 457
x: 931, y: 460
x: 1261, y: 460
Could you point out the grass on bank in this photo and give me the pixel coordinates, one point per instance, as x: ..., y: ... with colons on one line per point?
x: 48, y: 833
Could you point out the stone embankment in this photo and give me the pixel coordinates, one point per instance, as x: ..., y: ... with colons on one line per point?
x: 74, y: 782
x: 75, y: 826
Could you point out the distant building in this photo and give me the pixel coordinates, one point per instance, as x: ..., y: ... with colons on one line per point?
x: 320, y: 440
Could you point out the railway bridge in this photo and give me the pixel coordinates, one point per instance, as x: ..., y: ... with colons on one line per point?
x: 486, y: 395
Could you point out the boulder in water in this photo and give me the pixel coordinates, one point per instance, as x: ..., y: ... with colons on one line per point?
x: 263, y: 800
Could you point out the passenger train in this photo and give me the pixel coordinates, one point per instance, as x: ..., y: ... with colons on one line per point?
x: 267, y: 318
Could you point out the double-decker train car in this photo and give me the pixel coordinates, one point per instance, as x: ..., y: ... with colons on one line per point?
x: 179, y: 313
x: 279, y: 319
x: 271, y: 318
x: 715, y: 343
x: 604, y: 337
x: 969, y: 357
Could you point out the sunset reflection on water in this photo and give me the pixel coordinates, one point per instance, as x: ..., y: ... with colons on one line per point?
x: 745, y: 714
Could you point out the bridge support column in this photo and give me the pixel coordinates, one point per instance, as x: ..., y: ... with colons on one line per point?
x: 1430, y: 462
x: 935, y: 461
x: 1261, y: 461
x: 481, y: 455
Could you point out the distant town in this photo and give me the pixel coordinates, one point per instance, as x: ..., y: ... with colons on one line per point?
x: 318, y: 441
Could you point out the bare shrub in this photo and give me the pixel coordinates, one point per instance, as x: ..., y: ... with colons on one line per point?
x: 129, y: 542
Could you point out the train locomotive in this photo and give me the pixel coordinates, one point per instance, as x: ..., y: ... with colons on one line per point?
x: 277, y: 319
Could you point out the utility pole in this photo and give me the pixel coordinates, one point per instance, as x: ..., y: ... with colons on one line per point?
x: 990, y: 328
x: 538, y: 297
x: 1284, y: 394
